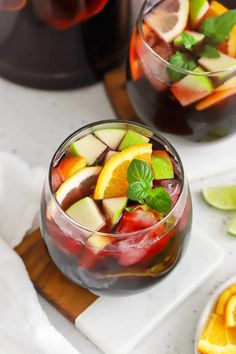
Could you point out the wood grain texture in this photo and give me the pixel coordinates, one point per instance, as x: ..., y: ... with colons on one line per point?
x: 115, y: 84
x: 70, y: 299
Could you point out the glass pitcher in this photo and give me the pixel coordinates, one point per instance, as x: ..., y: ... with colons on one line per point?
x: 58, y: 44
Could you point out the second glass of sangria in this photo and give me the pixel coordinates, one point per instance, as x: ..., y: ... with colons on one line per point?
x: 181, y: 73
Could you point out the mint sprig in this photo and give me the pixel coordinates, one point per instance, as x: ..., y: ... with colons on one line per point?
x: 183, y: 61
x: 188, y: 40
x: 217, y: 29
x: 210, y: 52
x: 140, y: 178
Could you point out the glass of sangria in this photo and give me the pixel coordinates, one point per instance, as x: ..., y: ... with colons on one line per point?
x: 181, y: 72
x: 116, y: 209
x: 58, y: 44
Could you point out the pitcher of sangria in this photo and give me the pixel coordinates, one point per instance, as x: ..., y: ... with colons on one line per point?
x: 58, y: 44
x: 182, y: 67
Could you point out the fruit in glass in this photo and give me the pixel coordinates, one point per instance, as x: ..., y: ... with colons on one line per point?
x: 182, y: 66
x: 118, y: 220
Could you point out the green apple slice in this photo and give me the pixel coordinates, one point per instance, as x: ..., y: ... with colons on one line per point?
x: 232, y: 227
x: 178, y: 42
x: 111, y: 137
x: 162, y: 165
x: 86, y: 213
x: 192, y: 88
x: 89, y: 147
x: 114, y: 207
x: 217, y: 64
x: 198, y: 9
x: 99, y: 242
x: 132, y: 138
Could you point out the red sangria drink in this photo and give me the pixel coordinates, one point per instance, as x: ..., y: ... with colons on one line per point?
x: 58, y: 44
x: 181, y: 73
x: 116, y: 209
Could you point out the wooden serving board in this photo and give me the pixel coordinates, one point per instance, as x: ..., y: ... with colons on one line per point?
x: 68, y: 298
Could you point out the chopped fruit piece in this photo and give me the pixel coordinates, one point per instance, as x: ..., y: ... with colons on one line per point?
x: 162, y: 165
x: 114, y: 207
x: 230, y: 312
x: 88, y: 147
x: 71, y: 165
x: 223, y: 299
x: 232, y: 228
x: 217, y: 64
x: 215, y: 98
x: 198, y: 9
x: 112, y: 181
x: 99, y: 242
x: 132, y: 138
x: 109, y: 155
x: 169, y: 18
x: 229, y: 84
x: 135, y: 67
x: 223, y: 47
x: 136, y: 220
x: 192, y: 88
x: 86, y: 213
x: 178, y: 42
x: 57, y: 178
x: 232, y: 43
x: 110, y: 137
x: 216, y: 339
x: 77, y: 185
x: 215, y: 9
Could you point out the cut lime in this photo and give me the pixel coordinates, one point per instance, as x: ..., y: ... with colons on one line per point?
x: 223, y: 198
x: 232, y: 227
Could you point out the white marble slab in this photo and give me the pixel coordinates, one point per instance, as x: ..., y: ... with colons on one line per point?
x: 117, y: 325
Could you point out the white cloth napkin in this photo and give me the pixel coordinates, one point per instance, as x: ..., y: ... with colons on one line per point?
x: 24, y: 327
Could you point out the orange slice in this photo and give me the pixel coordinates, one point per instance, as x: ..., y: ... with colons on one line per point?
x: 169, y: 18
x: 232, y: 43
x: 112, y: 181
x: 220, y: 94
x: 216, y: 339
x: 230, y: 312
x: 223, y: 299
x: 215, y: 9
x: 71, y: 165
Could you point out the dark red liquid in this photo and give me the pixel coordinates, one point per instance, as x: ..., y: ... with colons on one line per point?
x: 154, y: 103
x: 57, y: 44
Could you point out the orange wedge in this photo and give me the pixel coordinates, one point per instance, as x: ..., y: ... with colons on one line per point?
x: 112, y: 181
x: 232, y: 43
x: 216, y: 339
x: 223, y: 299
x: 220, y: 94
x: 230, y: 312
x: 216, y: 9
x: 71, y: 165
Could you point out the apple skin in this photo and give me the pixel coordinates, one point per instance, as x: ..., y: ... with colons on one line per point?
x: 132, y: 138
x: 162, y: 165
x: 114, y: 207
x: 198, y: 9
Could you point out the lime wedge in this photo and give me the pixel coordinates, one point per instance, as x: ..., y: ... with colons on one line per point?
x: 232, y: 227
x: 223, y: 198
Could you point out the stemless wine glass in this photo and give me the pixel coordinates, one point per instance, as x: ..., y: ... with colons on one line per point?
x: 126, y: 263
x: 177, y: 109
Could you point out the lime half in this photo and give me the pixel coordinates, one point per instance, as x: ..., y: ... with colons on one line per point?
x: 223, y: 198
x: 232, y: 227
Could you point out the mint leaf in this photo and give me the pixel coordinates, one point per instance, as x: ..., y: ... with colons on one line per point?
x: 188, y: 40
x: 140, y: 171
x: 217, y: 29
x: 159, y: 200
x: 183, y: 61
x: 138, y: 191
x: 210, y: 52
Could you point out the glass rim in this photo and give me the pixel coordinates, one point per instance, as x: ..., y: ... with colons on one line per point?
x: 105, y: 234
x: 172, y: 66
